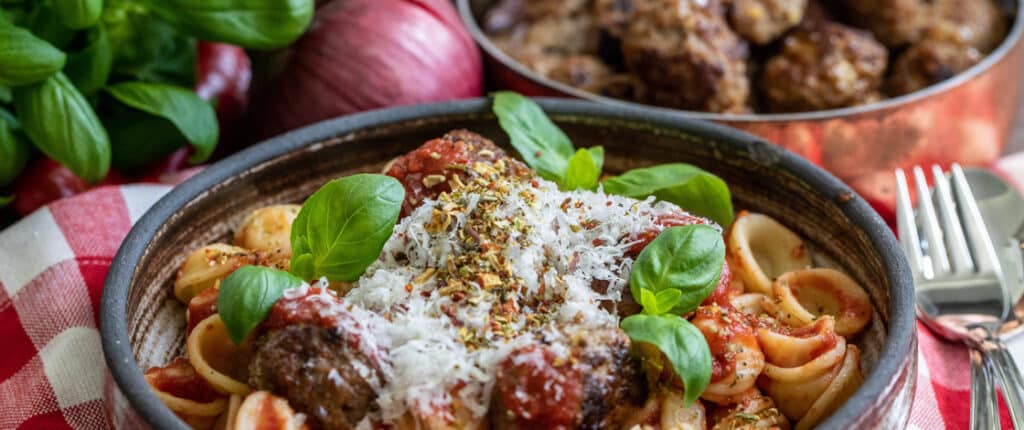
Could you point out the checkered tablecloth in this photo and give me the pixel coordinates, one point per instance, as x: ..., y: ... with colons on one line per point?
x: 52, y: 267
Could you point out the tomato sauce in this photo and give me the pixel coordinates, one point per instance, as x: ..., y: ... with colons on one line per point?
x: 425, y: 171
x: 539, y: 391
x: 318, y: 306
x: 722, y: 327
x: 201, y: 307
x: 724, y: 290
x: 179, y: 379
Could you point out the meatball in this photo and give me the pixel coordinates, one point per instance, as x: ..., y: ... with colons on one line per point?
x: 687, y: 56
x: 294, y: 361
x: 823, y: 66
x: 894, y: 22
x: 762, y: 21
x: 581, y: 71
x: 979, y: 24
x: 612, y: 16
x: 928, y: 62
x: 425, y: 171
x: 598, y: 386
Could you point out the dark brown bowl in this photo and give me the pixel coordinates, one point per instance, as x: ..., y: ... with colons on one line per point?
x: 966, y: 119
x: 142, y: 325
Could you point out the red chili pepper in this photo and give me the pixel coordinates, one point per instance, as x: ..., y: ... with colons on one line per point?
x: 45, y: 181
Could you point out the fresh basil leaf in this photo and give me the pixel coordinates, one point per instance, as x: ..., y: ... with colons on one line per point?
x: 667, y: 299
x: 61, y: 123
x: 146, y: 48
x: 541, y: 144
x: 90, y: 67
x: 138, y: 138
x: 25, y: 58
x: 6, y: 115
x: 78, y: 14
x: 342, y: 227
x: 687, y: 186
x: 13, y: 153
x: 584, y: 169
x: 264, y: 24
x: 682, y: 344
x: 649, y: 302
x: 246, y: 296
x: 5, y: 94
x: 687, y: 258
x: 193, y: 116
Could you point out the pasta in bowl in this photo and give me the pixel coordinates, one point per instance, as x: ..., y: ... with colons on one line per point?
x: 500, y: 295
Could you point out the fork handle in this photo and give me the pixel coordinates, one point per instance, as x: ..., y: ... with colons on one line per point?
x: 1010, y: 378
x: 983, y: 393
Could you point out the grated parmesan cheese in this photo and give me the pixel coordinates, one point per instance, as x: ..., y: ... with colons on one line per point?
x: 468, y: 278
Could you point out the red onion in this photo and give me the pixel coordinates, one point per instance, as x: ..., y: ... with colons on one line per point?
x: 366, y: 54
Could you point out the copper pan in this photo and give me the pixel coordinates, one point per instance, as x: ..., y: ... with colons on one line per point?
x: 966, y: 119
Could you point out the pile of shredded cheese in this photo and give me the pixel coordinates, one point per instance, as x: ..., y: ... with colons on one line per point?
x: 490, y: 267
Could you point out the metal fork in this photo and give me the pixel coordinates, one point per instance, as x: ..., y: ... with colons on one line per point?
x: 961, y: 292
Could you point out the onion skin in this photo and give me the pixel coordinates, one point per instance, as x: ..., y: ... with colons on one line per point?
x: 367, y: 54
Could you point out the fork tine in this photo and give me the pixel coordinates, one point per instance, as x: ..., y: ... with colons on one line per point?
x: 930, y: 225
x: 956, y: 243
x: 984, y: 253
x: 906, y: 226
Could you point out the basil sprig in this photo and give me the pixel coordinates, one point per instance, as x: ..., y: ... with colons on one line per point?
x: 246, y: 296
x: 193, y: 116
x: 78, y: 14
x: 25, y: 58
x: 261, y: 24
x: 687, y: 259
x: 13, y: 151
x: 338, y: 233
x: 682, y: 344
x: 543, y: 146
x: 64, y: 126
x: 685, y: 185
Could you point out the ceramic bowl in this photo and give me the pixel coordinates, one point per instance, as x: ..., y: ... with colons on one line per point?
x: 142, y: 324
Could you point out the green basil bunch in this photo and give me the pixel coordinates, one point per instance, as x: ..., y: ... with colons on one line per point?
x: 95, y: 82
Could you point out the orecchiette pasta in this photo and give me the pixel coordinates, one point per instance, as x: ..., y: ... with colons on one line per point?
x: 263, y: 410
x: 216, y: 358
x: 761, y: 249
x: 804, y: 295
x: 268, y: 229
x: 207, y: 265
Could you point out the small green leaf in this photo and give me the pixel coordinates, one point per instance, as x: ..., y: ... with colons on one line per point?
x: 193, y: 116
x: 541, y: 144
x: 688, y: 259
x: 342, y: 227
x: 584, y: 169
x: 146, y: 48
x: 649, y: 301
x: 667, y: 299
x: 686, y: 186
x: 13, y: 153
x: 43, y: 23
x: 138, y: 138
x: 62, y: 124
x: 5, y: 94
x: 680, y: 342
x: 25, y: 58
x: 90, y: 67
x: 246, y: 296
x: 78, y: 14
x: 265, y: 24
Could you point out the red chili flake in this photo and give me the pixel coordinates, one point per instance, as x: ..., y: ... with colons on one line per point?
x: 408, y: 288
x: 597, y: 242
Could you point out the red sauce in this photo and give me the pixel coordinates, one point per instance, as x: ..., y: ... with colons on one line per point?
x: 663, y: 221
x: 724, y: 291
x: 202, y: 306
x: 179, y: 379
x: 539, y: 392
x: 720, y: 327
x: 319, y: 306
x: 450, y: 156
x: 818, y: 328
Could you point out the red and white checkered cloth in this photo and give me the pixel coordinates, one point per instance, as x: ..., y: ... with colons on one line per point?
x: 52, y: 267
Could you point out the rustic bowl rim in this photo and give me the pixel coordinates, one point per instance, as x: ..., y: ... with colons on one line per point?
x: 1013, y: 37
x: 128, y: 376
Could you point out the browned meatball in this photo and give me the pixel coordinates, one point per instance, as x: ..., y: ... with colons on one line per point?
x: 894, y: 22
x: 597, y: 387
x: 426, y: 171
x: 928, y: 62
x: 976, y: 23
x: 582, y: 71
x: 687, y: 56
x: 315, y: 368
x: 613, y: 16
x: 823, y: 66
x: 762, y: 21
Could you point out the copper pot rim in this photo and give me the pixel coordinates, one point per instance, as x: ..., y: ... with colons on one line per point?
x: 1013, y: 38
